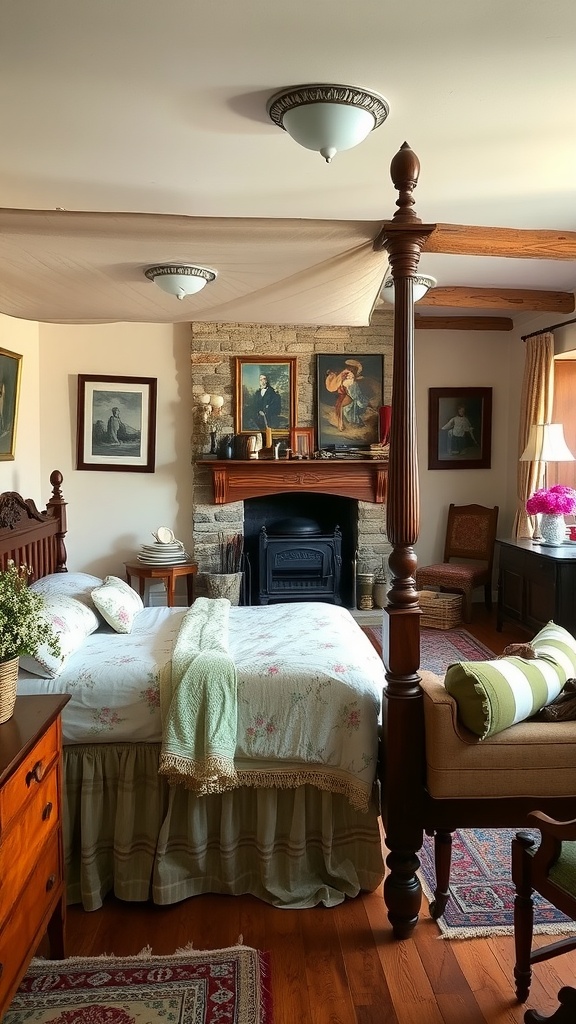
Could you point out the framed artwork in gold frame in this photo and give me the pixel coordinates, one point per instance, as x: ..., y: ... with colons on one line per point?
x: 265, y: 394
x: 10, y: 374
x: 302, y: 441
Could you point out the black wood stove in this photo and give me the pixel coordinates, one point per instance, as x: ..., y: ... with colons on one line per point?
x: 298, y: 562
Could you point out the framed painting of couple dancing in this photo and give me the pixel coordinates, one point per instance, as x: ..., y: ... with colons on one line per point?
x: 10, y: 372
x: 116, y: 427
x: 349, y: 395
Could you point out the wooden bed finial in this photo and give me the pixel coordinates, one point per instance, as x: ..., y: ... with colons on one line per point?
x: 404, y: 171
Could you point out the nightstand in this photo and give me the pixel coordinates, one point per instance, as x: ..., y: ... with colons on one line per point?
x: 32, y: 894
x: 168, y: 573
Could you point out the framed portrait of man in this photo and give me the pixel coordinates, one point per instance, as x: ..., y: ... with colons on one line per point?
x: 265, y: 394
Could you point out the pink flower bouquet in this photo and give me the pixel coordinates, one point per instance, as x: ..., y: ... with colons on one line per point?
x: 552, y: 501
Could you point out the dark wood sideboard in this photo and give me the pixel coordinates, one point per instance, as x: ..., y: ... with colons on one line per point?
x: 536, y: 583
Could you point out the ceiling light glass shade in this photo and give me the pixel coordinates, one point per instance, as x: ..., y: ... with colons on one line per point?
x: 422, y: 284
x: 327, y: 118
x: 546, y: 443
x: 180, y: 280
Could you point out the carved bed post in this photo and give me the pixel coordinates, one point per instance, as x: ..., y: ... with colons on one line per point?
x: 403, y: 729
x: 56, y: 507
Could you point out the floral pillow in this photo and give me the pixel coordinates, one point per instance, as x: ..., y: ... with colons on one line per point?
x: 72, y: 622
x: 68, y: 584
x: 117, y: 603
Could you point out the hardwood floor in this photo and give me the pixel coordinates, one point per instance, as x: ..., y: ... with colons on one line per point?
x: 342, y: 966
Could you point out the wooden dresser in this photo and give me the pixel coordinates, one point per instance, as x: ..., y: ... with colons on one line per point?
x: 32, y: 896
x: 535, y: 584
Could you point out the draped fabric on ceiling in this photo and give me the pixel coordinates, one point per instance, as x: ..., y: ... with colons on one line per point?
x: 536, y: 407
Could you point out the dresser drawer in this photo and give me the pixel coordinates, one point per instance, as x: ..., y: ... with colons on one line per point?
x: 21, y: 848
x: 29, y: 915
x: 22, y: 787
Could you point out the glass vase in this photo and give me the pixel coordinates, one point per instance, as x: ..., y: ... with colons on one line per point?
x: 552, y: 528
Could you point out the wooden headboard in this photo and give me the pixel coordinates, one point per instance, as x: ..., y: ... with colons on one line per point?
x: 33, y: 538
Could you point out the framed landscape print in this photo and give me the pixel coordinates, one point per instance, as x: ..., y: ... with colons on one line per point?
x: 116, y: 423
x: 10, y: 372
x: 459, y: 428
x: 349, y: 394
x: 265, y: 394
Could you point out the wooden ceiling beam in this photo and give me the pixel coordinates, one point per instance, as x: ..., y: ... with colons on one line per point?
x: 515, y: 243
x: 463, y: 323
x: 518, y: 299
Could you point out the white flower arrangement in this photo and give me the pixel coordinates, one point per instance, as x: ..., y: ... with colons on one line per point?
x: 23, y: 629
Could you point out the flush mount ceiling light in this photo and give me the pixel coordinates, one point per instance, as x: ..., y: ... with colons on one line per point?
x: 180, y: 279
x: 422, y: 283
x: 327, y: 118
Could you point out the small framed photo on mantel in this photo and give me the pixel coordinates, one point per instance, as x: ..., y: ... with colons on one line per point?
x: 116, y: 427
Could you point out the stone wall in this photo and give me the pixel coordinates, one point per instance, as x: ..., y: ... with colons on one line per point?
x: 213, y: 351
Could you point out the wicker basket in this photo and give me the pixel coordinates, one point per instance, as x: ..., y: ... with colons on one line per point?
x: 8, y: 685
x: 440, y: 611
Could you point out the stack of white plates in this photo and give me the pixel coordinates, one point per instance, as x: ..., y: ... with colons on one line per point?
x: 164, y: 554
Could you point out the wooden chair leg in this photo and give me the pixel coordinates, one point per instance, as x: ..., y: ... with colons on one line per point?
x: 488, y: 596
x: 442, y: 863
x: 523, y: 913
x: 467, y: 606
x: 565, y: 1014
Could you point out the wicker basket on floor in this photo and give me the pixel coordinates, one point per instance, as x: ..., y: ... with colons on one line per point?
x: 440, y: 611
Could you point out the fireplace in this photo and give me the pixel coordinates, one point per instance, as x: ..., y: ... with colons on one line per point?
x: 298, y: 562
x: 300, y: 547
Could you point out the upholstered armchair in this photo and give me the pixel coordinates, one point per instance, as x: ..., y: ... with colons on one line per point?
x: 468, y: 555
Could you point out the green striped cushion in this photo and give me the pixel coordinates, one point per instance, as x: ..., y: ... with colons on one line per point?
x: 492, y: 695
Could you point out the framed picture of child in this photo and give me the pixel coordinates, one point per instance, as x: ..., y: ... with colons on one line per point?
x: 459, y: 428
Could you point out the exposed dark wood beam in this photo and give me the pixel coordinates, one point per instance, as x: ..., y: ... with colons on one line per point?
x: 518, y: 299
x: 516, y: 243
x: 463, y: 323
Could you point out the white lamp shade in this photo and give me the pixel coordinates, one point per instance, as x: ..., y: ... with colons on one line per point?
x: 216, y: 401
x: 327, y: 118
x: 328, y: 128
x: 182, y: 280
x: 422, y: 284
x: 546, y: 443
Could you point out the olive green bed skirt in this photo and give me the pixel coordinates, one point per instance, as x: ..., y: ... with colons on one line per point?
x: 129, y: 833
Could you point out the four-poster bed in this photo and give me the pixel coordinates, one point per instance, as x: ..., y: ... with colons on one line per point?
x: 413, y: 704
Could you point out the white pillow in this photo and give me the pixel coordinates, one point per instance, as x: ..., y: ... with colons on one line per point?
x: 117, y: 603
x: 68, y: 584
x: 72, y: 621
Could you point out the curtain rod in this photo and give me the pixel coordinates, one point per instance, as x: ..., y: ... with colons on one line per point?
x: 552, y: 327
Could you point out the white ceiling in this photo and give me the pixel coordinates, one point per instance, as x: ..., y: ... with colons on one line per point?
x: 134, y: 106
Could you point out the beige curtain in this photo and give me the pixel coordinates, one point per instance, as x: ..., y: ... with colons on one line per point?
x: 536, y: 407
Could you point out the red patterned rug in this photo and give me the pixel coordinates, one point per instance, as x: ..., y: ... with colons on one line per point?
x: 482, y: 893
x: 215, y: 986
x: 440, y: 647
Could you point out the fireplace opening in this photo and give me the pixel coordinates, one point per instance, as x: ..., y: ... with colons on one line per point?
x: 300, y: 547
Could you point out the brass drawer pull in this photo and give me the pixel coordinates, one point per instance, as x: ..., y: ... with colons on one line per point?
x: 50, y: 883
x: 37, y: 773
x: 47, y: 812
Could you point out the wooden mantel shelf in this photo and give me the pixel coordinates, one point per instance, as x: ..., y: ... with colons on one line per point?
x: 236, y: 479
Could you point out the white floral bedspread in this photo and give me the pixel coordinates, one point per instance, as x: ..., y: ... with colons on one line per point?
x: 309, y: 692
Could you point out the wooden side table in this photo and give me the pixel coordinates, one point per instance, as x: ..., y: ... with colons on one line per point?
x: 168, y: 573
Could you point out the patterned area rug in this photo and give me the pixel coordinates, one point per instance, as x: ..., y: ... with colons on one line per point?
x: 482, y: 892
x: 440, y: 647
x: 217, y: 986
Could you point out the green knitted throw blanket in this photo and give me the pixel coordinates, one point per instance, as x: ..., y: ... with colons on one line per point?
x: 199, y: 703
